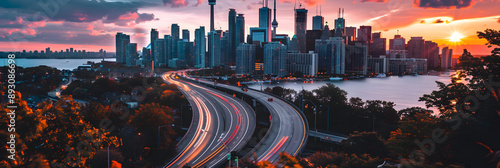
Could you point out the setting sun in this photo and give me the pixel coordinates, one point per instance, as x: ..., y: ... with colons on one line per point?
x: 456, y: 37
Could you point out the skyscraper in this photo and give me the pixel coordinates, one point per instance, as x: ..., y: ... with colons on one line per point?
x: 159, y: 52
x: 275, y: 59
x: 301, y: 28
x: 168, y: 48
x: 444, y: 58
x: 265, y: 20
x: 431, y: 54
x: 245, y: 59
x: 331, y: 55
x: 318, y: 22
x: 240, y: 29
x: 378, y: 45
x: 350, y: 33
x: 175, y: 37
x: 416, y: 47
x: 365, y: 35
x: 212, y: 4
x: 131, y: 54
x: 232, y: 44
x: 340, y: 24
x: 356, y: 59
x: 199, y: 47
x: 154, y: 36
x: 122, y: 40
x: 398, y: 43
x: 185, y: 34
x: 214, y: 49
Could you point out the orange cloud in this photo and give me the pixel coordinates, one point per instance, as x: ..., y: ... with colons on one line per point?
x: 383, y: 1
x: 306, y: 2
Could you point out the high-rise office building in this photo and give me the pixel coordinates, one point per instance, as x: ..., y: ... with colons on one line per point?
x: 232, y: 44
x: 378, y: 45
x: 265, y: 20
x: 356, y: 59
x: 199, y: 47
x: 311, y: 37
x: 431, y: 54
x: 365, y: 35
x: 146, y: 52
x: 159, y: 52
x: 185, y: 49
x: 331, y: 55
x: 340, y: 24
x: 275, y: 59
x: 301, y: 28
x: 122, y: 40
x: 131, y: 54
x: 293, y: 47
x: 416, y: 47
x: 350, y: 33
x: 245, y: 59
x: 302, y: 63
x: 398, y: 43
x: 175, y: 37
x: 225, y: 50
x: 214, y: 49
x: 240, y: 29
x: 318, y: 22
x: 168, y: 48
x: 446, y: 58
x: 153, y: 36
x: 185, y: 34
x: 258, y: 35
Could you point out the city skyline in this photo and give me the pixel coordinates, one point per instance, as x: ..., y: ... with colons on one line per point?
x: 93, y: 29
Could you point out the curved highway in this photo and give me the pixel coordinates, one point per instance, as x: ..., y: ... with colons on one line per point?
x: 220, y: 124
x: 289, y: 130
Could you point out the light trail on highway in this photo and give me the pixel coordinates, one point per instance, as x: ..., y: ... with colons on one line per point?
x: 213, y: 112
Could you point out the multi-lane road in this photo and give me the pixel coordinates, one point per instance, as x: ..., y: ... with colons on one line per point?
x: 289, y: 130
x: 220, y: 124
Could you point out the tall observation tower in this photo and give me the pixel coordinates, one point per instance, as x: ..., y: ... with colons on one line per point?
x: 211, y: 3
x: 275, y: 23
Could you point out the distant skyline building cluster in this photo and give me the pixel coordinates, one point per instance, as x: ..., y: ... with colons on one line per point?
x: 320, y: 51
x: 67, y: 53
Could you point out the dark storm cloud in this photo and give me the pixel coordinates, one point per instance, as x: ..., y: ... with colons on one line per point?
x: 443, y: 4
x: 77, y: 10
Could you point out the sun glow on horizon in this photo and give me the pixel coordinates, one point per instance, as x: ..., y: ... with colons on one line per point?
x: 456, y: 37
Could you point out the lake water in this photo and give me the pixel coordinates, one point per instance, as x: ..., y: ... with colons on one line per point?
x: 404, y: 91
x: 60, y: 64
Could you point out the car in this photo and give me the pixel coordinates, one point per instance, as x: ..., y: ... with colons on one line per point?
x: 270, y: 99
x: 244, y: 89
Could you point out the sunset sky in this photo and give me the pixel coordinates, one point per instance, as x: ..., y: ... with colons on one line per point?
x: 92, y: 25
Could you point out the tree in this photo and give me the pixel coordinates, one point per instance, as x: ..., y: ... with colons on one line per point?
x: 324, y: 159
x: 416, y: 130
x: 475, y: 102
x: 55, y: 133
x: 365, y: 143
x: 288, y: 161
